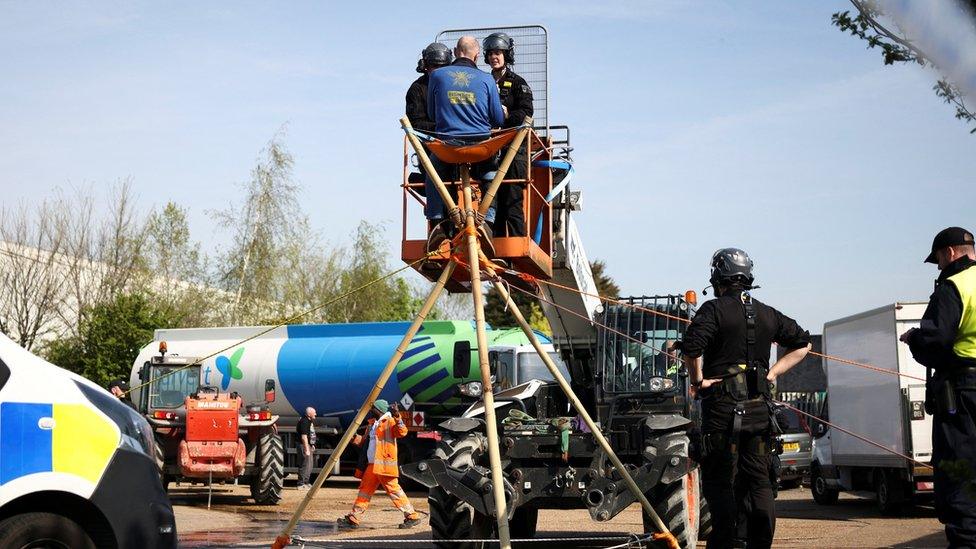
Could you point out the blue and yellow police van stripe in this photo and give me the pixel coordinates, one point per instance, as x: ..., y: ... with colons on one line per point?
x: 72, y: 439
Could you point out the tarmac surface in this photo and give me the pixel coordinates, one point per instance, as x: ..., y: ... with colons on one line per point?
x: 234, y: 521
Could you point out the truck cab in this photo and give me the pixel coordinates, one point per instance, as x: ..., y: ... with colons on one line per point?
x: 514, y: 365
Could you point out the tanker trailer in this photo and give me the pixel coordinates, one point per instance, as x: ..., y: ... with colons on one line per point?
x: 331, y: 367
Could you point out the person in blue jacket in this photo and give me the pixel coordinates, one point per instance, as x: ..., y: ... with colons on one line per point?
x: 464, y: 104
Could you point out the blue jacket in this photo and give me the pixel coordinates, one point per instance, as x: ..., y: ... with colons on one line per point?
x: 463, y: 101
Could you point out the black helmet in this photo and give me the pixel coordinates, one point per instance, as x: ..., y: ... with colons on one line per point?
x: 434, y: 55
x: 731, y: 265
x: 499, y: 41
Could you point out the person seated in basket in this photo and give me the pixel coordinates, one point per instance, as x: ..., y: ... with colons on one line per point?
x: 463, y: 101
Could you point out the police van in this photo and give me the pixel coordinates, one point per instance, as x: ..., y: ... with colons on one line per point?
x: 75, y: 463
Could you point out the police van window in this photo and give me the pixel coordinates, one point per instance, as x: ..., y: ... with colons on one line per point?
x: 171, y: 388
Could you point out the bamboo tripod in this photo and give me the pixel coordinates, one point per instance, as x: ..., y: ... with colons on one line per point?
x: 468, y: 216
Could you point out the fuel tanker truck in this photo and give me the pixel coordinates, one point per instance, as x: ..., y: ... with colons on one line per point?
x: 329, y: 367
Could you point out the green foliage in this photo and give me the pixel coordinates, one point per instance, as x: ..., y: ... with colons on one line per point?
x: 390, y: 299
x: 110, y: 337
x: 499, y: 317
x: 605, y: 284
x: 268, y: 222
x: 170, y: 254
x: 497, y: 314
x: 897, y: 48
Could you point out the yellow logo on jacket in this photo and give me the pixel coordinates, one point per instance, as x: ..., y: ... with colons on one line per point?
x: 461, y: 78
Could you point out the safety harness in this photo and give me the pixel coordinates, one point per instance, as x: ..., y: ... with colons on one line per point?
x: 746, y: 383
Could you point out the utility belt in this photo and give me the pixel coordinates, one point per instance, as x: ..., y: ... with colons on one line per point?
x: 740, y: 382
x: 942, y: 391
x: 759, y: 446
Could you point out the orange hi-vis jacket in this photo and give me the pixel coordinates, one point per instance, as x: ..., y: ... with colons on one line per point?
x: 388, y: 429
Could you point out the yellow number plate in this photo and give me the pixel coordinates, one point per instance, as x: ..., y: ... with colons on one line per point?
x: 791, y: 446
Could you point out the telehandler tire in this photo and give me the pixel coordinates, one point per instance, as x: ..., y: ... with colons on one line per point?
x: 267, y: 480
x: 678, y: 504
x: 450, y: 518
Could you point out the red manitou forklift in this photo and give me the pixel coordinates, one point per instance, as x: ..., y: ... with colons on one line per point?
x: 204, y: 435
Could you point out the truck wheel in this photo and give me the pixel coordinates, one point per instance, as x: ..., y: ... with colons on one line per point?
x: 160, y: 459
x: 450, y: 518
x: 678, y: 505
x: 267, y: 480
x: 891, y: 493
x: 822, y: 494
x: 43, y: 530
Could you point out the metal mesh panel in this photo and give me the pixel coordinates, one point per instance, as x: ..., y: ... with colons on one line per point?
x: 628, y: 366
x: 531, y: 60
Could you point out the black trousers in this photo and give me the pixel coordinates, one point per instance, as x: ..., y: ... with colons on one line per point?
x: 954, y: 458
x: 510, y: 220
x: 737, y: 484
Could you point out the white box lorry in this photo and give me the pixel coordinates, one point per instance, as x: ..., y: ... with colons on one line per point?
x: 885, y: 408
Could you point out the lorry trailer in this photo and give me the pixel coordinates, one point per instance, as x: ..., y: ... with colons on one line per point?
x: 330, y: 367
x: 885, y: 408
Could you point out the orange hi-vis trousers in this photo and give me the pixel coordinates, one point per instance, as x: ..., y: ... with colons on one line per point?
x: 368, y: 485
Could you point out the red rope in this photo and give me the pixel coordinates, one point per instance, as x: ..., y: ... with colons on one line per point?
x: 841, y: 429
x: 659, y: 313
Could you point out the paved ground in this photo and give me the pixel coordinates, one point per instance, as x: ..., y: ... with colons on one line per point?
x: 234, y: 522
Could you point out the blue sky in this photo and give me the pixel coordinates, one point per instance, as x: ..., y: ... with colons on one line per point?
x: 695, y: 125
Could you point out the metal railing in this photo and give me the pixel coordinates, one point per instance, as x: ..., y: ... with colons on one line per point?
x: 531, y: 61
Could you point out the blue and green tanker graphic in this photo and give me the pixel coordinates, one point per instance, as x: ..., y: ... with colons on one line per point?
x: 332, y: 367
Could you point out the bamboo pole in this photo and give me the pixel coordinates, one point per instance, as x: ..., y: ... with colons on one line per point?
x: 427, y: 164
x: 285, y: 537
x: 601, y: 440
x: 494, y: 459
x: 513, y: 148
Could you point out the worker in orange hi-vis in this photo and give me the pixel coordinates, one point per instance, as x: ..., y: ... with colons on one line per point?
x: 381, y: 466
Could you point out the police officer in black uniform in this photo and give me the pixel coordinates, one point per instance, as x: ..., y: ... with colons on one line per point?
x: 516, y: 96
x: 945, y: 343
x: 434, y: 56
x: 732, y: 335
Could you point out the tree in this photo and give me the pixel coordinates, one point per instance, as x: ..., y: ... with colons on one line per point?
x: 605, y: 285
x: 390, y: 299
x: 110, y: 336
x: 896, y: 47
x: 103, y: 259
x: 175, y: 271
x: 269, y: 222
x: 32, y: 273
x: 498, y: 316
x: 170, y: 255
